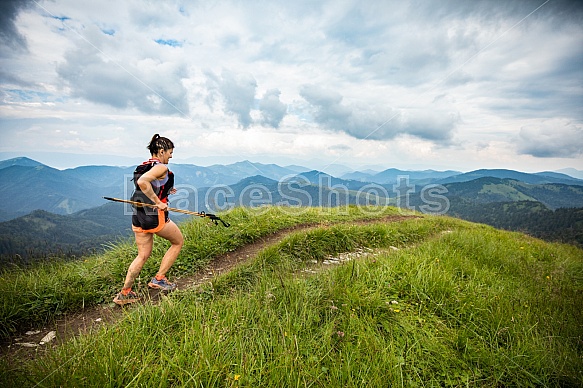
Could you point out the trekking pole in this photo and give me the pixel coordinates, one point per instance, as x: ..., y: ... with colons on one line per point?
x: 214, y: 218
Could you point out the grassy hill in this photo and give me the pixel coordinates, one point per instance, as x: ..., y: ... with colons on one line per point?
x: 490, y: 189
x: 532, y: 217
x: 436, y: 301
x: 537, y: 178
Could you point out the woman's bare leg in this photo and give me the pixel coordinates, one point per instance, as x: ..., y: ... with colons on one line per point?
x: 172, y: 233
x: 144, y: 242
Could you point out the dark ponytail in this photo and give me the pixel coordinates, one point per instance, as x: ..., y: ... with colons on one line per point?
x: 159, y: 143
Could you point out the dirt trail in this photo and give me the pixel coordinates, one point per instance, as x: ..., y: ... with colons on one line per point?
x: 27, y: 346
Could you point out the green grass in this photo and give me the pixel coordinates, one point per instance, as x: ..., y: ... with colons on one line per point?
x: 458, y: 304
x: 38, y: 295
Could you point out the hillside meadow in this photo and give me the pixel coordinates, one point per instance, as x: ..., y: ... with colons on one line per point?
x: 433, y: 301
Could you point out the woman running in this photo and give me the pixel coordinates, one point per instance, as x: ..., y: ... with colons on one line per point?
x: 153, y: 183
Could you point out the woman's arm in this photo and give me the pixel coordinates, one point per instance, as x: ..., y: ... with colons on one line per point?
x: 159, y: 171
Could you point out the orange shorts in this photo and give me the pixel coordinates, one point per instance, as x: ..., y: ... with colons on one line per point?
x: 149, y: 220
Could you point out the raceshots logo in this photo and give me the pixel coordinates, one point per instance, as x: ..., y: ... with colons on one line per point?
x: 300, y: 191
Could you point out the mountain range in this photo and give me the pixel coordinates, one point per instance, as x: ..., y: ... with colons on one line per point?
x: 66, y: 210
x: 35, y: 186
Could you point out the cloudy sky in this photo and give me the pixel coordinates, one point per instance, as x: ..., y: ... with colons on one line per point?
x: 408, y: 84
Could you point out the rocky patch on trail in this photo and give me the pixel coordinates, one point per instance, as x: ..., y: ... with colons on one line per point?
x: 344, y: 257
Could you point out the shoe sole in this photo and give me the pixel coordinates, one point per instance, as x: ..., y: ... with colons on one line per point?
x: 158, y: 287
x: 121, y: 302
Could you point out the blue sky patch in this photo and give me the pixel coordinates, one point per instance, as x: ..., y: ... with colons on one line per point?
x: 169, y: 42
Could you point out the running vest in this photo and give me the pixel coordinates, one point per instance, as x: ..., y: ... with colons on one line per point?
x: 161, y: 187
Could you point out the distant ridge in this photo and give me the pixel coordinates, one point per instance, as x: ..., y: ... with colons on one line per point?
x: 21, y: 161
x: 572, y: 172
x: 489, y: 189
x: 536, y: 179
x: 247, y: 168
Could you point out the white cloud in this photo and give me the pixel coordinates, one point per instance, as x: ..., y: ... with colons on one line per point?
x: 236, y: 91
x: 272, y: 109
x: 377, y: 122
